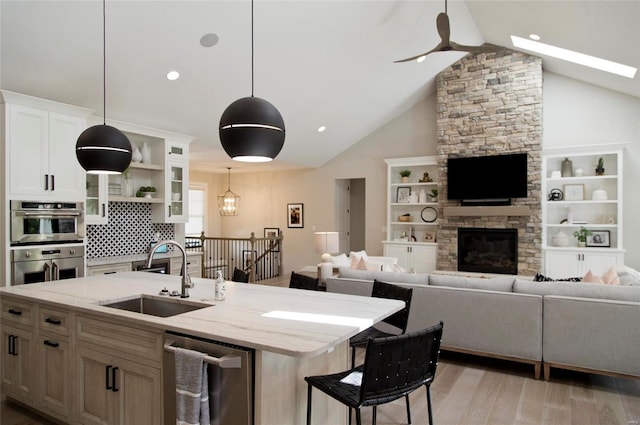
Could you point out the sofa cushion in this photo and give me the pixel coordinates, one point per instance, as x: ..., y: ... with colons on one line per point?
x: 416, y: 278
x: 578, y: 289
x: 501, y: 284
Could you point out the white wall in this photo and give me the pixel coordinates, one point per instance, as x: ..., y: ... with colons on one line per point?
x: 264, y: 195
x: 576, y: 114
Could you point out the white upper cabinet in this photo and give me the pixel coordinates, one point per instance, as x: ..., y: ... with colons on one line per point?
x: 40, y: 138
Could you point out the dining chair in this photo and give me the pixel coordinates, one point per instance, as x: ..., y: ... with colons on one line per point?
x: 240, y: 276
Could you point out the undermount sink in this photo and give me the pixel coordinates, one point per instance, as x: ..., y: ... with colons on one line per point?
x: 156, y: 306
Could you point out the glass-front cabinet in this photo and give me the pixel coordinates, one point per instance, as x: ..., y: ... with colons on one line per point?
x: 96, y: 208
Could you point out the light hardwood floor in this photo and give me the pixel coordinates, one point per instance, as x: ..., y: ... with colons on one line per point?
x: 470, y: 390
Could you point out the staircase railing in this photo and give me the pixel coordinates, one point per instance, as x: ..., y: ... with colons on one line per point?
x: 261, y: 258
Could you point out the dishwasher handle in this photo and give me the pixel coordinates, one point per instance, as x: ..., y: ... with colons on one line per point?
x: 225, y: 362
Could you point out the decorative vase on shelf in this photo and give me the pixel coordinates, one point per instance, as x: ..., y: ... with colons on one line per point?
x: 136, y: 156
x: 405, y: 179
x: 146, y: 153
x: 567, y: 168
x: 127, y: 186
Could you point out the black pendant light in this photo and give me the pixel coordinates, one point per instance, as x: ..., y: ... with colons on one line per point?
x: 103, y: 149
x: 252, y: 129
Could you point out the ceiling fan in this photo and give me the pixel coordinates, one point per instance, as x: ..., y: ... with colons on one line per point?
x: 446, y: 45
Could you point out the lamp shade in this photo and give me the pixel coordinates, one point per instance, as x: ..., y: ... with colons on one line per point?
x: 252, y: 130
x: 103, y: 149
x: 326, y: 243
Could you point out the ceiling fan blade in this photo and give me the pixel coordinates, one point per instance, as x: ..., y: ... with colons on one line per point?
x: 485, y: 48
x: 438, y: 48
x: 442, y: 24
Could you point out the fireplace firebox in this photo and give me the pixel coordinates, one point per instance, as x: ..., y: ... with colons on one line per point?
x: 488, y: 250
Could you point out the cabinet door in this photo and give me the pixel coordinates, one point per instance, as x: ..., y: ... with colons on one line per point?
x: 28, y: 152
x: 67, y: 174
x: 97, y: 207
x: 600, y: 262
x: 93, y: 401
x: 139, y: 390
x: 401, y: 252
x: 54, y: 358
x: 177, y: 193
x: 423, y: 258
x: 18, y: 363
x: 559, y: 265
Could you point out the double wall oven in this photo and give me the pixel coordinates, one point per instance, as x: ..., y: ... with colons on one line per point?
x: 46, y: 241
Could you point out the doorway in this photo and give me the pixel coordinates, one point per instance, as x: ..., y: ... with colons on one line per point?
x: 350, y: 213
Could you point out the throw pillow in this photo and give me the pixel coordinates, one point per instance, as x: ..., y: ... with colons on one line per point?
x: 591, y: 278
x: 539, y: 277
x: 628, y: 276
x: 398, y: 269
x: 340, y: 261
x: 359, y: 254
x: 365, y: 265
x: 611, y: 277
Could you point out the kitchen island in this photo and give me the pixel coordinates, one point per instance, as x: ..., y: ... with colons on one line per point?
x: 294, y: 333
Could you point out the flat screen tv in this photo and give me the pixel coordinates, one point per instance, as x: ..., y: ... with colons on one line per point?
x: 487, y: 178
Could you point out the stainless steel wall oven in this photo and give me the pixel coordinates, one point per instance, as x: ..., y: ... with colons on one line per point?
x: 35, y: 223
x: 46, y: 263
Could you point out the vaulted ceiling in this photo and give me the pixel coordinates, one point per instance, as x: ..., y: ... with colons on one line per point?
x: 319, y: 62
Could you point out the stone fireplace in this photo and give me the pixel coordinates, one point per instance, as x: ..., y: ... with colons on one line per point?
x: 488, y: 250
x: 491, y: 104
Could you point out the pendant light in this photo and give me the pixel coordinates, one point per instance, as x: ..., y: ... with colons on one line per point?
x: 103, y: 149
x: 252, y: 129
x: 228, y: 201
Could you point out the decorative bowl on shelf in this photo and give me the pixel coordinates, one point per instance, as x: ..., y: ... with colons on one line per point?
x: 405, y: 218
x: 147, y: 194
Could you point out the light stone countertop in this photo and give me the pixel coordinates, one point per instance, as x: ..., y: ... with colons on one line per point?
x: 302, y: 324
x: 117, y: 259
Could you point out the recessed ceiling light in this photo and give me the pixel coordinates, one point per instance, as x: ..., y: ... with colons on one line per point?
x: 575, y: 57
x: 421, y: 58
x: 321, y: 128
x: 535, y: 37
x: 209, y: 40
x: 173, y: 75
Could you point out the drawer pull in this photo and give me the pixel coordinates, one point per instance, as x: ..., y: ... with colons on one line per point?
x: 113, y: 379
x: 52, y: 321
x: 51, y: 343
x: 16, y: 312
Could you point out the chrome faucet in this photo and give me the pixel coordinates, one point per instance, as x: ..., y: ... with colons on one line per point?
x: 186, y: 280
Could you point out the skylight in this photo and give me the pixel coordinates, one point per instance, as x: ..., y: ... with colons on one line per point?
x: 575, y: 57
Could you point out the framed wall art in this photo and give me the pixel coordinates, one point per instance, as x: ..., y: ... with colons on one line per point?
x: 599, y: 238
x: 295, y: 216
x: 573, y: 192
x: 273, y: 232
x: 402, y: 194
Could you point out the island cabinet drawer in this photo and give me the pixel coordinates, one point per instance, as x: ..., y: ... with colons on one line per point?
x: 108, y: 269
x: 54, y: 321
x: 194, y: 265
x: 119, y: 337
x: 18, y: 312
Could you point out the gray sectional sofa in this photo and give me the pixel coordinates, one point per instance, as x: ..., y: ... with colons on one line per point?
x: 571, y: 325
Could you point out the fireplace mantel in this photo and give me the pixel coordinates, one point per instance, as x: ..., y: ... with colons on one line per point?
x: 484, y: 211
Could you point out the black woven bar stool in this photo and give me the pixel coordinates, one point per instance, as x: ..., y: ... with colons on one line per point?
x: 393, y: 367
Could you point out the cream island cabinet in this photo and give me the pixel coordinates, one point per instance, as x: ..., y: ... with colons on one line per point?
x: 101, y: 365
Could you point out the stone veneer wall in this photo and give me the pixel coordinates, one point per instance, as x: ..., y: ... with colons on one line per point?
x: 490, y: 104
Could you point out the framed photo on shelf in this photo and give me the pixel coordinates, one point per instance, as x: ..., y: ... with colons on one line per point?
x: 295, y: 216
x: 429, y: 236
x: 599, y: 238
x: 246, y: 258
x: 402, y: 194
x: 273, y: 232
x: 574, y: 192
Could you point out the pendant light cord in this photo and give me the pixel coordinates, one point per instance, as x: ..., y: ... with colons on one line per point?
x: 104, y: 62
x: 229, y: 178
x: 251, y: 49
x: 445, y: 7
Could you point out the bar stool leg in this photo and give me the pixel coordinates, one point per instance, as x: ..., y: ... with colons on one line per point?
x: 353, y: 357
x: 375, y: 415
x: 309, y: 404
x: 408, y: 409
x: 429, y: 404
x: 358, y: 419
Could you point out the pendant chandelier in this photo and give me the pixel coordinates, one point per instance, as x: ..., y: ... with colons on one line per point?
x: 103, y: 149
x: 252, y: 129
x: 228, y: 201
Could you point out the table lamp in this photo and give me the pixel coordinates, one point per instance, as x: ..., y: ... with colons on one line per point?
x: 327, y: 243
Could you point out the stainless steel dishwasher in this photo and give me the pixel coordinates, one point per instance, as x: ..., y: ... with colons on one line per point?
x: 230, y: 374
